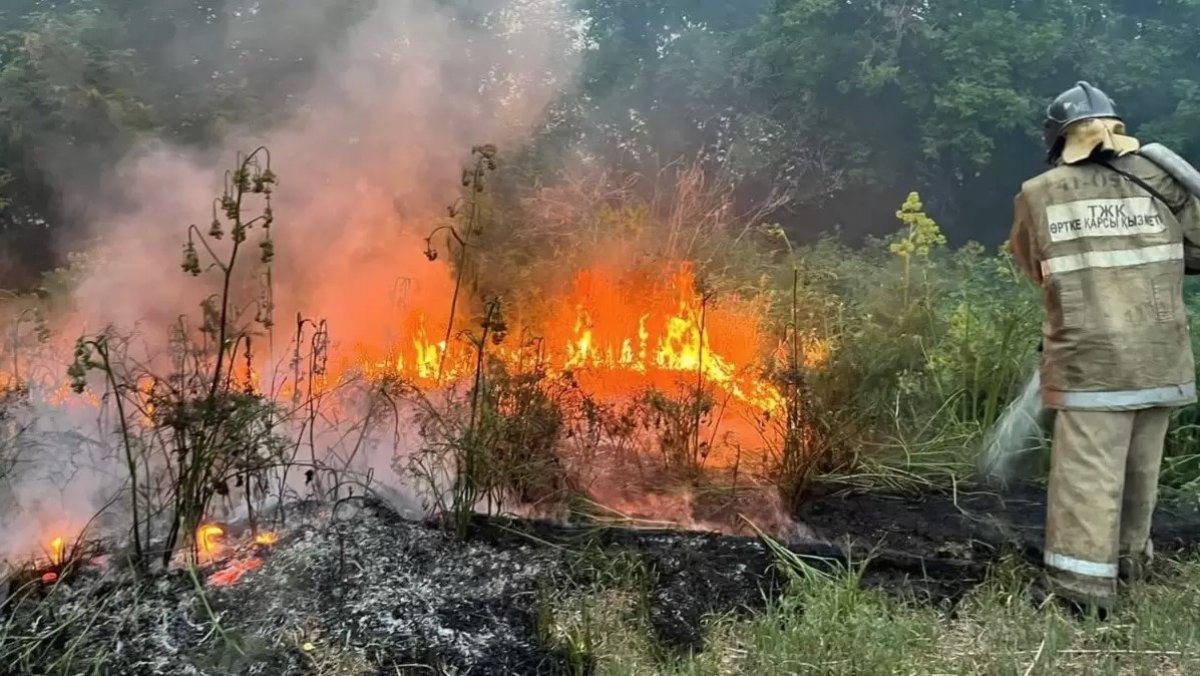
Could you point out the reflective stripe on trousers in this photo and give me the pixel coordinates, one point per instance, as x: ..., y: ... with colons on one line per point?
x: 1102, y: 492
x: 1118, y: 400
x: 1080, y: 566
x: 1121, y: 258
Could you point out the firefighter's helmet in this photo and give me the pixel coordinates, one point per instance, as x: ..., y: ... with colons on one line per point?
x: 1077, y: 104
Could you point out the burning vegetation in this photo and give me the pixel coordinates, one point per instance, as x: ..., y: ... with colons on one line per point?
x: 523, y: 408
x: 517, y: 405
x: 637, y: 395
x: 665, y: 393
x: 253, y: 525
x: 372, y: 400
x: 620, y: 332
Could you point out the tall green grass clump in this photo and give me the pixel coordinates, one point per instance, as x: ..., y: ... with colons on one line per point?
x: 927, y: 342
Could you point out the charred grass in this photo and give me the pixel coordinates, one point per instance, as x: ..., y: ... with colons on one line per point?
x: 831, y: 625
x: 364, y: 591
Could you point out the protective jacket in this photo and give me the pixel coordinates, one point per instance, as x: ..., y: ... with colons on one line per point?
x: 1109, y: 256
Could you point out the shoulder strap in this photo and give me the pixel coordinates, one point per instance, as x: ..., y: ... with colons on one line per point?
x: 1136, y: 179
x: 1190, y: 267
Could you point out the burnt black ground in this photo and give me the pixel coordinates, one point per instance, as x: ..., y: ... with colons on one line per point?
x: 367, y: 585
x: 969, y: 524
x: 933, y: 547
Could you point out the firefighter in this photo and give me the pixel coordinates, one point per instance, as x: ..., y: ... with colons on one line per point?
x: 1102, y: 233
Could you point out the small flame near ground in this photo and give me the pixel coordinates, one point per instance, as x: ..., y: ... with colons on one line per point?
x: 238, y: 568
x: 56, y: 552
x: 208, y: 538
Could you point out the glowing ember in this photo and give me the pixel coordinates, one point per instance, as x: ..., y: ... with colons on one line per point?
x: 49, y: 578
x: 266, y: 539
x: 234, y: 572
x: 207, y: 536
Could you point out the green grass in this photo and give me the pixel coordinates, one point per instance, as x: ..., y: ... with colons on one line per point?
x: 829, y: 625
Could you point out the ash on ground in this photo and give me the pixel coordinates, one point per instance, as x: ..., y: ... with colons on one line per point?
x: 363, y: 590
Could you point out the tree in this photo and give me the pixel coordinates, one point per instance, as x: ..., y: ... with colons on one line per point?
x: 83, y: 80
x: 828, y: 110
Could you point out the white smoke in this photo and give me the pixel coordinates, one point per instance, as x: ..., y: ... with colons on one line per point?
x: 1019, y: 432
x: 368, y: 158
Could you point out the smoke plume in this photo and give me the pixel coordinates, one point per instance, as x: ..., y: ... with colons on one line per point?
x: 368, y: 159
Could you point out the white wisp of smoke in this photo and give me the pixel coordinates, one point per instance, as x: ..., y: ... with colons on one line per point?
x: 1019, y: 431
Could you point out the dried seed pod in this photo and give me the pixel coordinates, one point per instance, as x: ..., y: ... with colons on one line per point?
x: 268, y: 250
x: 191, y: 261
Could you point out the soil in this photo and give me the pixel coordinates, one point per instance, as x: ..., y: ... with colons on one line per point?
x: 365, y: 584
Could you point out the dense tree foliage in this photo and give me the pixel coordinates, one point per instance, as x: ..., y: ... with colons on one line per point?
x: 839, y: 106
x: 858, y: 101
x: 81, y: 80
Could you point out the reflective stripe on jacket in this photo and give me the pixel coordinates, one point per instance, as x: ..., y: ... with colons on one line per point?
x: 1109, y: 258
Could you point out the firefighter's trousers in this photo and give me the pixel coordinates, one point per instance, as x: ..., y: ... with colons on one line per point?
x: 1103, y: 488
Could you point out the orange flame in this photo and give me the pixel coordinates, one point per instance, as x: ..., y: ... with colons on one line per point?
x: 623, y: 332
x: 266, y: 539
x: 417, y: 358
x: 56, y: 552
x: 643, y: 330
x: 616, y: 332
x: 207, y: 536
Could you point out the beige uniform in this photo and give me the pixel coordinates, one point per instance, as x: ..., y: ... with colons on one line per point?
x: 1117, y: 356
